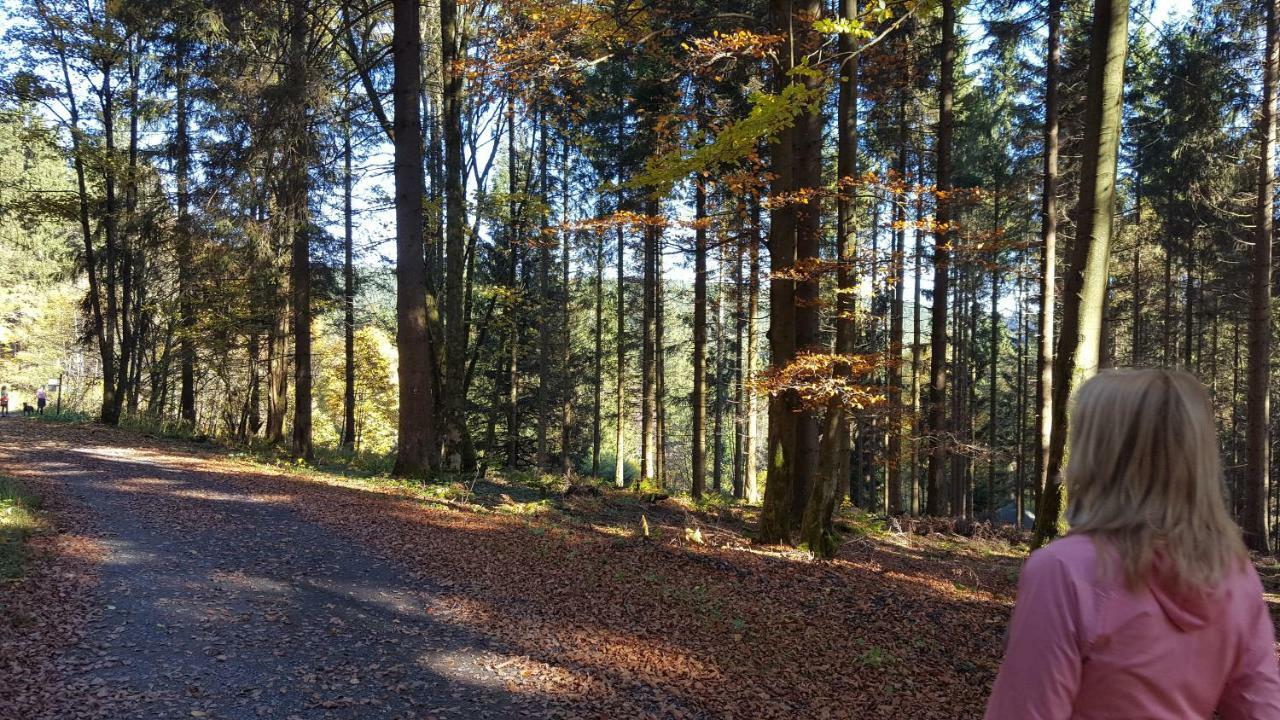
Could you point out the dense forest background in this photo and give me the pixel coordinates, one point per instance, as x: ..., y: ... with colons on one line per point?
x: 790, y: 252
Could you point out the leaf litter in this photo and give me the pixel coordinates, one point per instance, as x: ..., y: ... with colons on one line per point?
x: 584, y: 616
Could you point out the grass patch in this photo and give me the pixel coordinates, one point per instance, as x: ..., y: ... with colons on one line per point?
x: 19, y: 519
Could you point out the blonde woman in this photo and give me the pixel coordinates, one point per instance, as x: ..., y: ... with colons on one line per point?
x: 1150, y: 607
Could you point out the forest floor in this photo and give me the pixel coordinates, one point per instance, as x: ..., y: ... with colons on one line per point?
x: 175, y: 580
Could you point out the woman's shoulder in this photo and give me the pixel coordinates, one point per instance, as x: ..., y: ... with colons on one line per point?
x: 1071, y: 548
x: 1073, y: 555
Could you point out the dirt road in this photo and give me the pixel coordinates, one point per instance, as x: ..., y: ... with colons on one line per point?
x: 220, y: 602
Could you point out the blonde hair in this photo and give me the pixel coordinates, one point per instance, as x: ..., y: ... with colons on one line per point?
x: 1145, y: 476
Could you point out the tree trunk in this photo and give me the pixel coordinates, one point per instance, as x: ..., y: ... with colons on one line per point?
x: 751, y: 488
x: 544, y: 300
x: 954, y: 503
x: 872, y: 427
x: 916, y: 344
x: 660, y: 360
x: 278, y: 366
x: 1136, y: 354
x: 1166, y: 323
x: 297, y: 184
x: 893, y: 465
x: 935, y: 421
x: 566, y: 318
x: 717, y: 423
x: 106, y: 348
x: 545, y: 304
x: 512, y: 309
x: 597, y: 356
x: 348, y: 298
x: 431, y: 95
x: 776, y: 514
x: 182, y: 165
x: 1085, y: 289
x: 807, y: 175
x: 992, y: 360
x: 134, y: 262
x: 1048, y: 250
x: 699, y: 441
x: 255, y: 388
x: 812, y: 493
x: 648, y: 362
x: 824, y: 497
x: 620, y: 397
x: 1020, y: 410
x: 417, y: 452
x: 110, y: 225
x: 960, y: 418
x: 740, y: 375
x: 457, y: 443
x: 1259, y: 459
x: 1188, y: 304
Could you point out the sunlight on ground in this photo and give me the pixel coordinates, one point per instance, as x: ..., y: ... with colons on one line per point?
x: 216, y: 496
x: 243, y: 581
x: 612, y: 530
x: 537, y: 507
x: 150, y: 481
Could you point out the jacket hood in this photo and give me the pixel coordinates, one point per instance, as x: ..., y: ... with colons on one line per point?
x: 1188, y: 608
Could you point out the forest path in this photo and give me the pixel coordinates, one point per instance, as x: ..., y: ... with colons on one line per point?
x: 220, y: 601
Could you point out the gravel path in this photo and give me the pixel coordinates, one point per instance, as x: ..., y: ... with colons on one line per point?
x: 219, y: 602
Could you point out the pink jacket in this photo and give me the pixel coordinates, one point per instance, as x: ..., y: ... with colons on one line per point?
x: 1082, y: 647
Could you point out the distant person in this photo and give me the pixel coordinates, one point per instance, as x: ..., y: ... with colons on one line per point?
x: 4, y: 401
x: 1150, y: 607
x: 41, y: 400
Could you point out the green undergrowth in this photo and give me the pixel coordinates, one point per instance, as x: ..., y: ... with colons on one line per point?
x: 715, y: 502
x: 325, y: 460
x: 537, y: 496
x: 66, y: 416
x: 19, y: 520
x: 544, y: 482
x: 859, y: 523
x: 161, y: 427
